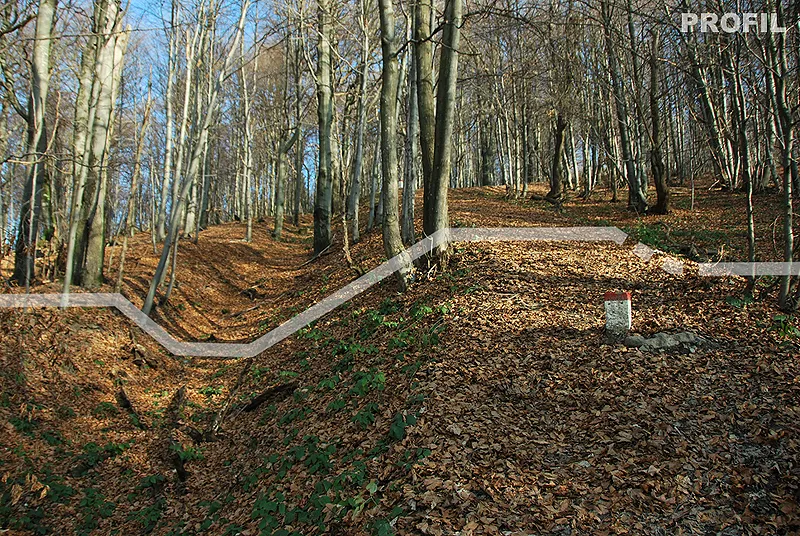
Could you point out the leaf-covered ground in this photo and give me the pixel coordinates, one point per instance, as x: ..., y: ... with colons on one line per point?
x: 484, y: 400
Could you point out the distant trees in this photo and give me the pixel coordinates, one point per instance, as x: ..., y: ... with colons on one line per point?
x: 314, y: 114
x: 201, y: 129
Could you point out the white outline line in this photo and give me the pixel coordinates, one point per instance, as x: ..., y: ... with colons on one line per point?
x: 749, y: 269
x: 331, y: 302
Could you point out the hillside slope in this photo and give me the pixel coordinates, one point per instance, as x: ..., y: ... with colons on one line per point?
x: 484, y: 400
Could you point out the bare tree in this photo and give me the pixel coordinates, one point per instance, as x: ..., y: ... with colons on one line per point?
x: 201, y: 138
x: 392, y: 242
x: 324, y: 193
x: 656, y: 157
x: 436, y: 143
x: 28, y: 230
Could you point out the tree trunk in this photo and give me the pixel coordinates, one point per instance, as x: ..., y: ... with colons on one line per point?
x: 248, y: 159
x: 411, y: 154
x: 636, y: 201
x: 435, y: 217
x: 358, y: 158
x: 83, y: 124
x: 28, y: 230
x: 112, y: 62
x: 487, y: 157
x: 423, y: 51
x: 299, y: 183
x: 373, y: 188
x: 556, y: 174
x: 656, y: 159
x: 192, y: 50
x: 392, y: 242
x: 299, y: 180
x: 740, y: 111
x: 161, y: 220
x: 324, y: 193
x: 779, y: 72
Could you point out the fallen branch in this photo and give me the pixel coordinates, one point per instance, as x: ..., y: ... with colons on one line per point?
x: 174, y: 446
x: 125, y: 403
x: 318, y: 255
x: 275, y: 393
x: 240, y: 313
x: 212, y: 430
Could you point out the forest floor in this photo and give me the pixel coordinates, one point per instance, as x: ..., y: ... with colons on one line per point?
x: 484, y: 400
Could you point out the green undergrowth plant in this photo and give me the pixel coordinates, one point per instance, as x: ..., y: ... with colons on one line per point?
x: 187, y: 453
x: 785, y: 327
x: 369, y: 370
x: 93, y: 454
x: 93, y: 507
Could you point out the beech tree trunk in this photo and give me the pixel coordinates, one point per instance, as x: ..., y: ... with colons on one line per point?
x: 358, y: 158
x: 656, y: 158
x: 435, y: 215
x: 411, y: 154
x: 109, y: 73
x: 392, y: 242
x: 324, y: 189
x: 28, y: 230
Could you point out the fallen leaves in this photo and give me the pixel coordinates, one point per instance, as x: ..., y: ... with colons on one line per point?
x: 530, y: 424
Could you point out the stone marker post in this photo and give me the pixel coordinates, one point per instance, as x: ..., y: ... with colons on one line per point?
x: 618, y: 313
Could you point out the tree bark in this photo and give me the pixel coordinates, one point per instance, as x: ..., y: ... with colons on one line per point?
x: 392, y: 242
x: 28, y: 230
x: 435, y: 215
x: 656, y: 158
x: 423, y: 50
x: 324, y: 188
x: 411, y: 155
